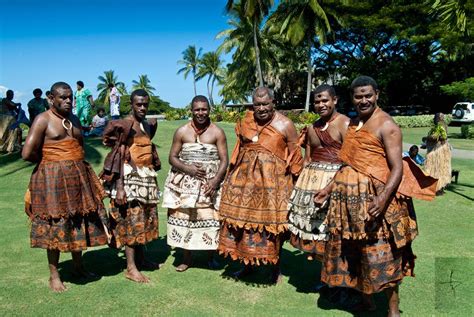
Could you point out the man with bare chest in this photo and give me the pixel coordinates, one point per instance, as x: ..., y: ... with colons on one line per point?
x: 64, y: 197
x: 198, y: 159
x: 254, y: 205
x: 371, y: 219
x: 322, y: 140
x: 129, y: 176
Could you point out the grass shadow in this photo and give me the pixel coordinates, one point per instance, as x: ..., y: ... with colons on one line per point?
x: 303, y: 274
x: 91, y: 145
x: 259, y: 278
x: 454, y: 188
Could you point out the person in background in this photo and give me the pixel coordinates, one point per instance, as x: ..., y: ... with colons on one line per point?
x: 37, y: 105
x: 99, y: 122
x: 114, y: 99
x: 413, y: 154
x: 83, y: 102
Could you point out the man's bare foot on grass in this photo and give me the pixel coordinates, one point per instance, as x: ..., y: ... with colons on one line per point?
x: 182, y: 267
x: 136, y: 276
x: 56, y: 285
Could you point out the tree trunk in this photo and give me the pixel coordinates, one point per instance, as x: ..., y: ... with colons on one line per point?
x: 257, y: 54
x: 308, y: 84
x: 209, y: 91
x: 194, y: 82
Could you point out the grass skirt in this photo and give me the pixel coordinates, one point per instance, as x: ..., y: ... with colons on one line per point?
x: 438, y: 164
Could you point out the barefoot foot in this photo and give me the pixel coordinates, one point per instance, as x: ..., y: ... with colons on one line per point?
x: 56, y: 285
x: 182, y: 267
x: 136, y: 276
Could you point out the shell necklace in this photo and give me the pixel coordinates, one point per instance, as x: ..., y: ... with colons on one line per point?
x: 64, y: 120
x: 255, y: 138
x: 200, y: 131
x: 326, y: 126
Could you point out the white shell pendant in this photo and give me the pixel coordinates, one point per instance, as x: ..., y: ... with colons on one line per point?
x: 326, y: 126
x: 255, y: 139
x: 359, y: 126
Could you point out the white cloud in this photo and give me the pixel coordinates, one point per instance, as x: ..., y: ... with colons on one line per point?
x: 3, y: 90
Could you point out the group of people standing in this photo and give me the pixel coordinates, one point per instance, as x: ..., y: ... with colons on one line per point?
x: 347, y: 202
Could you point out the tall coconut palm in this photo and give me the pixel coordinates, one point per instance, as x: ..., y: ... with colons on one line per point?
x: 256, y: 11
x: 191, y: 58
x: 236, y: 39
x: 305, y: 22
x: 109, y: 77
x: 452, y: 13
x: 143, y: 83
x: 210, y: 66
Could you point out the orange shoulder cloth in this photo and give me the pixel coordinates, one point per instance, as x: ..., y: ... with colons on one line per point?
x: 364, y: 152
x: 269, y: 139
x: 64, y: 150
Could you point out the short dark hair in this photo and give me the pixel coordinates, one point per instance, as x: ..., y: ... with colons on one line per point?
x: 325, y: 87
x: 362, y: 81
x: 413, y: 147
x: 138, y: 92
x: 80, y: 83
x: 262, y: 92
x: 200, y: 98
x: 47, y: 93
x: 9, y: 92
x: 37, y: 91
x: 59, y: 84
x: 100, y: 109
x: 110, y: 85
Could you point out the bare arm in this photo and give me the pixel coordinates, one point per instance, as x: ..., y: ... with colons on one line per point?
x: 214, y: 183
x: 91, y: 101
x: 392, y: 141
x: 34, y: 141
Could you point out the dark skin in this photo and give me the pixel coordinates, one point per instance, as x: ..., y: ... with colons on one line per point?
x: 384, y: 128
x: 263, y: 109
x: 46, y: 129
x: 213, y: 135
x: 135, y: 254
x: 325, y: 106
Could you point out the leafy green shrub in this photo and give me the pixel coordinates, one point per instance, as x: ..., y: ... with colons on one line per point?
x: 308, y: 117
x: 425, y: 120
x: 467, y: 131
x: 177, y: 114
x: 420, y: 121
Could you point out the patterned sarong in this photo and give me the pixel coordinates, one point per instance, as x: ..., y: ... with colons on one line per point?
x: 136, y: 222
x: 193, y: 221
x: 371, y: 255
x: 306, y: 221
x: 65, y: 200
x: 255, y: 194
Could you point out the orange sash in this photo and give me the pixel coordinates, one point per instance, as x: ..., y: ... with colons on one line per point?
x: 269, y: 139
x: 64, y: 150
x: 364, y: 152
x: 141, y: 151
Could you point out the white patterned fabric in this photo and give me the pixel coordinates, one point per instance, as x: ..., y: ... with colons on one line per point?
x: 193, y: 221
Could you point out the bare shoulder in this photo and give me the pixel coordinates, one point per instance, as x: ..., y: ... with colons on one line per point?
x: 284, y: 121
x: 342, y: 118
x: 182, y: 130
x: 387, y: 124
x: 41, y: 120
x: 217, y: 130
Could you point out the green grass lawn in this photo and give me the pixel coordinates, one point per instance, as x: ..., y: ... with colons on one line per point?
x: 445, y: 245
x: 414, y: 135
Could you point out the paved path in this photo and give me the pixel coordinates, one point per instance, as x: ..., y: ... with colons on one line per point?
x: 463, y: 154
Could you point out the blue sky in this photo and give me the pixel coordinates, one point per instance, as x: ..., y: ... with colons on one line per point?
x: 42, y: 42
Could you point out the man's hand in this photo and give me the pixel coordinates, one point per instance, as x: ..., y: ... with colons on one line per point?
x: 376, y: 207
x: 320, y: 197
x: 211, y: 187
x: 196, y: 171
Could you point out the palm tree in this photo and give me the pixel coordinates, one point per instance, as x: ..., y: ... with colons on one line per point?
x: 452, y: 13
x: 210, y: 66
x: 305, y: 21
x: 190, y: 60
x: 143, y: 83
x: 255, y: 11
x: 103, y: 87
